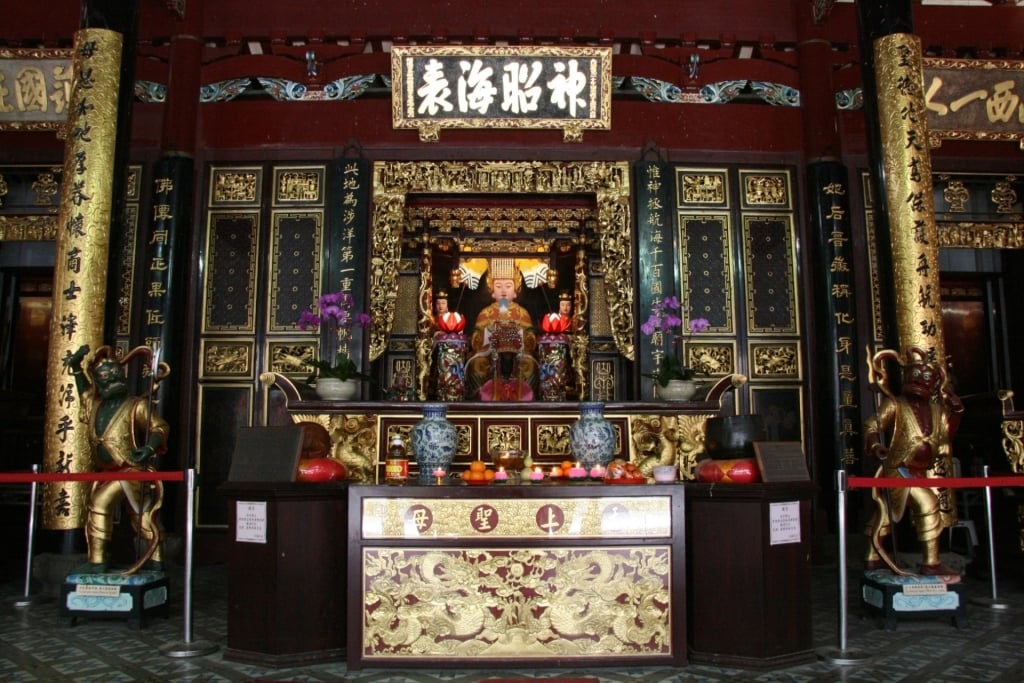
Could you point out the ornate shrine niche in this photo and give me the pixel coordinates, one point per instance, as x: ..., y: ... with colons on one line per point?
x: 560, y: 218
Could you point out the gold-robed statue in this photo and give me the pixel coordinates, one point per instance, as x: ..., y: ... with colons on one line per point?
x: 911, y: 435
x: 126, y: 435
x: 503, y: 347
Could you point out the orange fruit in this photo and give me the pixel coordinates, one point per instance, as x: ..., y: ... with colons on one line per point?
x: 566, y: 465
x: 473, y: 475
x: 488, y: 475
x: 477, y: 466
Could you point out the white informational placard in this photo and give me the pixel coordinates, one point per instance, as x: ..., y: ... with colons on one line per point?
x: 251, y: 521
x: 784, y: 523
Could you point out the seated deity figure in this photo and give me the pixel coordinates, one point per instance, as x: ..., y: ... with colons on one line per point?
x: 502, y: 365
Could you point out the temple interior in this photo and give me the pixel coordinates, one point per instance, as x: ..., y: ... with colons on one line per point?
x: 747, y: 259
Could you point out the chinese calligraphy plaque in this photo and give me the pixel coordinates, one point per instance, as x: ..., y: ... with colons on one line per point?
x: 566, y: 88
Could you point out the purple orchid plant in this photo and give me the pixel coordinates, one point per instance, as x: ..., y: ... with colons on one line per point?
x: 666, y: 322
x: 335, y: 310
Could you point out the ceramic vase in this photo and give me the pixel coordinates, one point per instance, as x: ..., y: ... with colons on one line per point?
x: 592, y: 438
x: 677, y: 390
x: 433, y: 442
x: 333, y: 389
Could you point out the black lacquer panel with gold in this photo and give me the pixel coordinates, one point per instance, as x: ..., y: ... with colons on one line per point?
x: 770, y: 269
x: 232, y: 244
x: 295, y: 246
x: 706, y: 269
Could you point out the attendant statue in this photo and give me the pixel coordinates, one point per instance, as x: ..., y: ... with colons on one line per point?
x: 565, y: 306
x: 918, y: 425
x: 126, y: 436
x: 440, y: 304
x: 502, y: 365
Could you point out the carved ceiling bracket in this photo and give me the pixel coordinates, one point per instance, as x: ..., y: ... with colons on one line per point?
x: 176, y: 6
x: 821, y: 9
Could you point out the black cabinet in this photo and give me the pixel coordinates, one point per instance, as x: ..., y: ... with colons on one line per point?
x: 749, y: 584
x: 286, y: 593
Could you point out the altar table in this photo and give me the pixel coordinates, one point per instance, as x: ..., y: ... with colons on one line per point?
x: 516, y: 575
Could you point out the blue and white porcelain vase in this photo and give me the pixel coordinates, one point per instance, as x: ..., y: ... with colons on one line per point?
x: 592, y: 438
x: 433, y: 442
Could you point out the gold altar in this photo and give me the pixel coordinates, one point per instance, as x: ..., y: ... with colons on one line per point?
x: 516, y: 576
x: 649, y: 433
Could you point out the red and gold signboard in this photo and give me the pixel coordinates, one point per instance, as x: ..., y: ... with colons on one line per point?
x: 522, y: 86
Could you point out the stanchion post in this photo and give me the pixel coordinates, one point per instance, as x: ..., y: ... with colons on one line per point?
x: 992, y: 601
x: 27, y: 600
x: 842, y: 655
x: 189, y: 648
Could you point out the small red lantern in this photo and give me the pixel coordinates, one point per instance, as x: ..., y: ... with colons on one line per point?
x: 451, y: 322
x: 553, y: 323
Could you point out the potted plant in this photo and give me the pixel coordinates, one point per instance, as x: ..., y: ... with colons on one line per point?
x: 337, y: 379
x: 674, y: 378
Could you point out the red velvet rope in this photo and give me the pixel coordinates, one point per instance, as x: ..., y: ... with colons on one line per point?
x: 937, y: 482
x: 29, y: 477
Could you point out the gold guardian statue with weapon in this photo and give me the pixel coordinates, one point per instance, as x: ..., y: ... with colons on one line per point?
x: 126, y: 435
x: 918, y: 425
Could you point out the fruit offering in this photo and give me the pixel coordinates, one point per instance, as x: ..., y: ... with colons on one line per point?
x: 620, y: 469
x: 478, y: 473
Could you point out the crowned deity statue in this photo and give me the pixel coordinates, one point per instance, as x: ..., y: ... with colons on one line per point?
x: 502, y: 365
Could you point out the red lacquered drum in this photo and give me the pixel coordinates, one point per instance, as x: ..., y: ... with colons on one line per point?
x: 738, y: 471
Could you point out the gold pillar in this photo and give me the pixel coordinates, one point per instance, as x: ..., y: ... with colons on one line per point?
x: 80, y: 269
x: 908, y: 186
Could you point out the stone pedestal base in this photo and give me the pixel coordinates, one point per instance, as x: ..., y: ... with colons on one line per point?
x: 131, y: 597
x: 893, y: 597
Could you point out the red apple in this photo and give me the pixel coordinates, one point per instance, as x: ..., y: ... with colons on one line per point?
x: 320, y: 469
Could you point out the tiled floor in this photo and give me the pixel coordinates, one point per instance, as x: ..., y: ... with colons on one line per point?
x: 37, y: 645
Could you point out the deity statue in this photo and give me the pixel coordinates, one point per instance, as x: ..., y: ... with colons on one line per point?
x: 502, y: 365
x: 919, y: 425
x: 440, y: 303
x: 126, y: 436
x: 565, y: 306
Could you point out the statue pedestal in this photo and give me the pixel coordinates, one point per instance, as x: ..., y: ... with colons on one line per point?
x: 132, y: 597
x: 893, y: 597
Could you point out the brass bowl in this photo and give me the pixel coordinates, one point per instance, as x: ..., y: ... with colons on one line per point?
x: 509, y: 458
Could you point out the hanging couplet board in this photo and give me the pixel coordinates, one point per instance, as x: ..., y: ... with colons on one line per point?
x: 484, y: 86
x: 974, y: 99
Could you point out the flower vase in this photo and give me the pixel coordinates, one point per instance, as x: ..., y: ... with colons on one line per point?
x: 334, y: 389
x: 553, y: 352
x: 677, y: 390
x: 451, y: 375
x: 592, y: 438
x: 433, y: 442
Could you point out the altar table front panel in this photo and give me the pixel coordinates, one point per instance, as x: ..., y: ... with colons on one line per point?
x: 516, y: 575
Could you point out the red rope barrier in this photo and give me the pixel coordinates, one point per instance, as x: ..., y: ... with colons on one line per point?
x: 28, y: 477
x: 937, y: 482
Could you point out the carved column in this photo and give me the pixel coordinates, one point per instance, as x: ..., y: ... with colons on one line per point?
x: 93, y: 177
